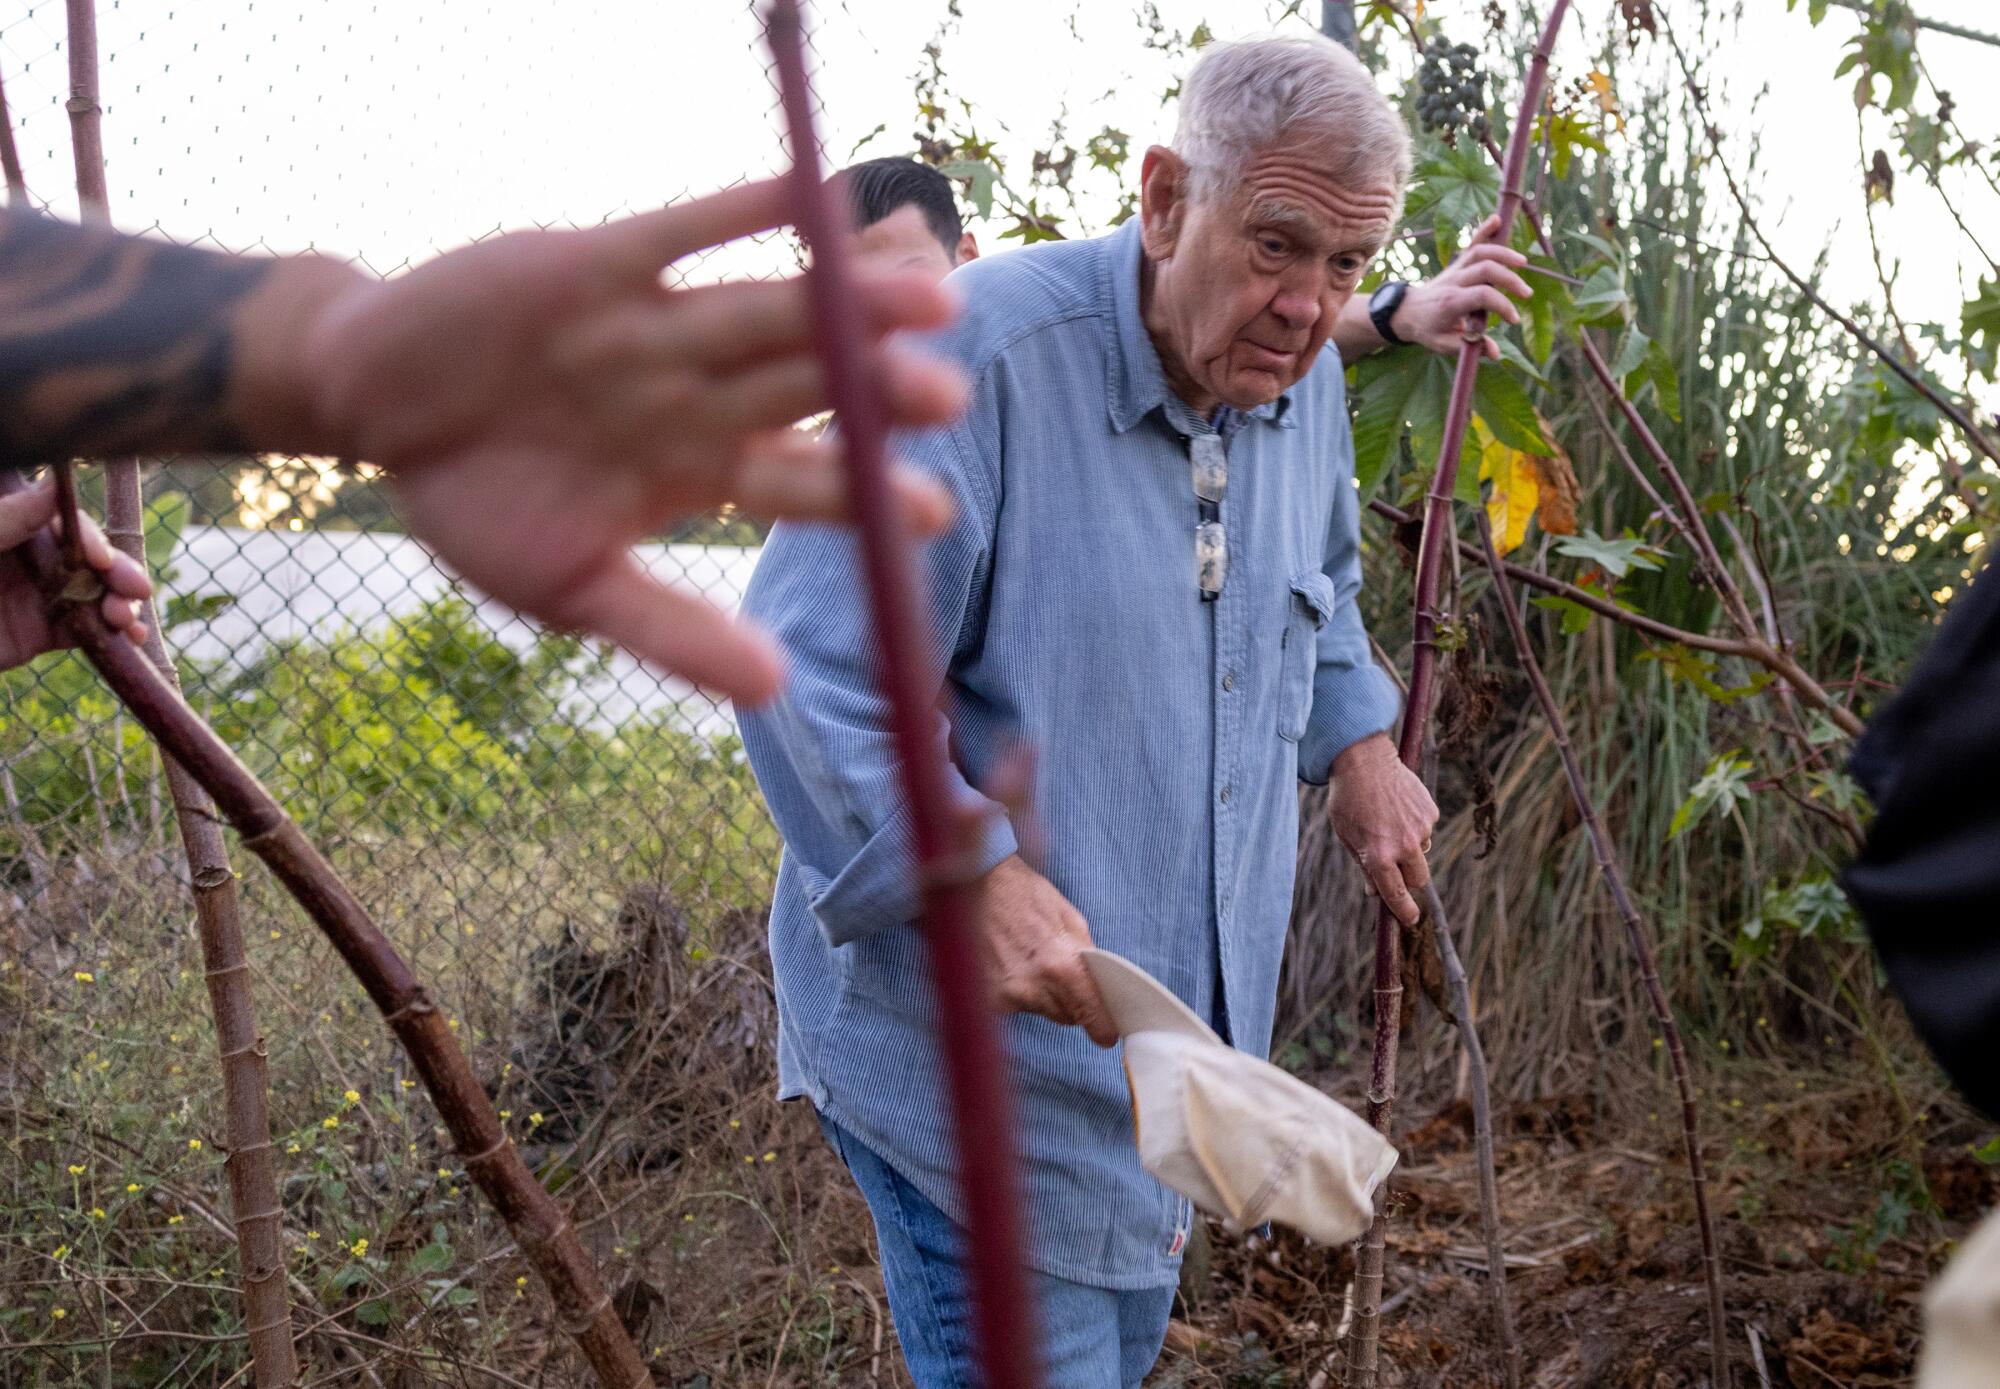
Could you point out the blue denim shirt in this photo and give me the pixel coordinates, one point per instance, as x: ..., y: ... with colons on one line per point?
x: 1171, y: 733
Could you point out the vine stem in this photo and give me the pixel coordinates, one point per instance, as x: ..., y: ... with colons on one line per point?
x: 251, y: 1165
x: 1438, y: 534
x: 1613, y: 873
x: 539, y: 1225
x: 982, y: 1112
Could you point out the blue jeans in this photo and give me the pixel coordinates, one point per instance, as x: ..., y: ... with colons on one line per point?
x: 1092, y: 1338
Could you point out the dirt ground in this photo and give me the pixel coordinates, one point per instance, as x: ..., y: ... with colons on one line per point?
x: 1827, y: 1235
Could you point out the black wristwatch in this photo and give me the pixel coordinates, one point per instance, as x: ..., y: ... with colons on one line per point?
x: 1382, y: 306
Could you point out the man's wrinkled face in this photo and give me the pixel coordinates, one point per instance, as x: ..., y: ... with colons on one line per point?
x: 904, y: 241
x: 1246, y: 285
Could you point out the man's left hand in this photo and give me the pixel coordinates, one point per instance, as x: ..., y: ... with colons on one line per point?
x: 1384, y: 816
x: 1481, y: 276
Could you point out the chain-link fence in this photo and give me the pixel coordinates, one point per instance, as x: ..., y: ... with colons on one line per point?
x: 568, y: 847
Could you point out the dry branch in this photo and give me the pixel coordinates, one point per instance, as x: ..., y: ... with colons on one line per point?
x: 1438, y: 532
x: 538, y: 1224
x: 975, y: 1065
x: 251, y: 1165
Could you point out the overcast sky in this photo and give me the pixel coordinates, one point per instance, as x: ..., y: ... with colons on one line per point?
x: 387, y: 130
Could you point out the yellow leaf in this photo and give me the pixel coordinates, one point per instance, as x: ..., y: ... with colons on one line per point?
x: 1607, y: 100
x: 1516, y: 487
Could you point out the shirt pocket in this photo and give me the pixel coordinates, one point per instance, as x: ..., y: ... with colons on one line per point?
x: 1311, y: 604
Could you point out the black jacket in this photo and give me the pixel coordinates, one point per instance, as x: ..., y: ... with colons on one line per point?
x: 1928, y: 881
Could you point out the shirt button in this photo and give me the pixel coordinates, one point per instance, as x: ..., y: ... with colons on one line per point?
x: 1229, y: 682
x: 1225, y: 795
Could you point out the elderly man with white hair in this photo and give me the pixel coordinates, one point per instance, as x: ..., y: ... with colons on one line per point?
x: 1152, y: 580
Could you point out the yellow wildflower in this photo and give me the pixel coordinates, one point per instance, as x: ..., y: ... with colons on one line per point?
x: 83, y: 976
x: 352, y: 1097
x: 194, y: 1145
x: 331, y: 1121
x: 77, y: 1169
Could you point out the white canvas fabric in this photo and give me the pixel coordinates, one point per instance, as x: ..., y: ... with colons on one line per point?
x: 1962, y: 1317
x: 1242, y: 1139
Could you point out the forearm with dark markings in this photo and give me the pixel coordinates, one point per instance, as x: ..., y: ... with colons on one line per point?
x: 116, y: 344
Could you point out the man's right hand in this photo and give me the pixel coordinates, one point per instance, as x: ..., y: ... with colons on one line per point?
x: 1034, y: 942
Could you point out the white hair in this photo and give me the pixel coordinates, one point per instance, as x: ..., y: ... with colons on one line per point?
x: 1302, y: 89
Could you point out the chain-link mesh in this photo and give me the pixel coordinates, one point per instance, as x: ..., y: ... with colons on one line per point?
x: 568, y: 847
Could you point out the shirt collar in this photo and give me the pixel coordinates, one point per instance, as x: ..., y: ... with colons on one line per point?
x: 1136, y: 383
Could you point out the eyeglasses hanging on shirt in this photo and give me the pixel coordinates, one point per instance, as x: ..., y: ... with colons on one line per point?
x: 1208, y: 461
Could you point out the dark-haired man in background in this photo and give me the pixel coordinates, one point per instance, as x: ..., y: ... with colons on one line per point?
x: 906, y: 216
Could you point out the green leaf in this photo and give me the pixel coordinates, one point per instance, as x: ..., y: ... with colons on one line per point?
x: 1989, y: 1151
x: 1979, y: 321
x: 1724, y: 784
x: 1504, y: 407
x: 1575, y: 616
x: 1550, y: 307
x: 1456, y: 189
x: 194, y: 607
x: 1665, y: 380
x: 432, y: 1258
x: 166, y: 518
x: 1602, y: 299
x: 1615, y: 557
x: 1631, y: 352
x: 981, y: 177
x: 1394, y: 390
x: 1567, y: 134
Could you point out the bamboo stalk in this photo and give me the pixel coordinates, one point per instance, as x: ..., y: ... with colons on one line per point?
x: 10, y: 158
x: 1482, y: 1137
x: 1613, y: 873
x: 539, y: 1225
x: 975, y: 1064
x: 251, y: 1165
x: 1438, y: 533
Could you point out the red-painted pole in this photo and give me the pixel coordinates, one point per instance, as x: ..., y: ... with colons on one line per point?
x: 975, y: 1064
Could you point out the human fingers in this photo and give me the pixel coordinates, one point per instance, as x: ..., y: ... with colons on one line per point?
x: 674, y: 630
x: 1387, y: 877
x: 27, y: 511
x: 916, y: 390
x: 122, y: 615
x: 1491, y: 269
x: 126, y: 578
x: 714, y: 327
x: 1070, y: 981
x: 646, y: 244
x: 791, y: 475
x: 1468, y: 299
